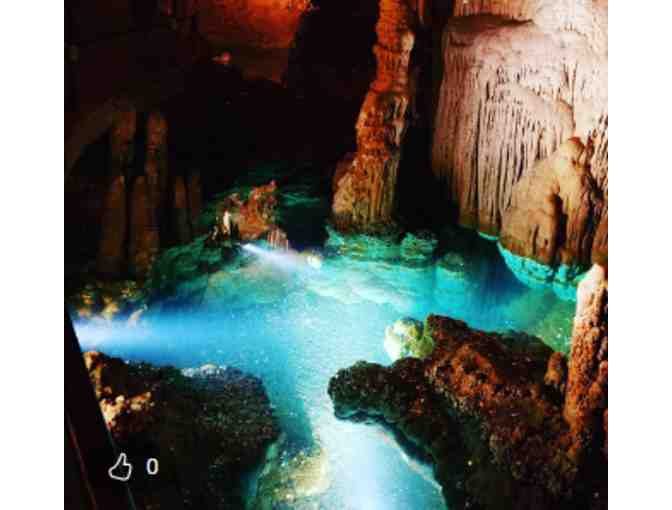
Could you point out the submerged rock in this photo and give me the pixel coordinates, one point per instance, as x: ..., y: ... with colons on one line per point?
x: 293, y: 480
x: 207, y: 427
x: 405, y: 338
x: 418, y: 249
x: 488, y: 409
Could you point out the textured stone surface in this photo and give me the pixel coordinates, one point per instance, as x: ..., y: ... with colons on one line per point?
x: 254, y: 217
x: 144, y: 242
x: 207, y: 427
x: 112, y: 248
x: 507, y: 393
x: 519, y: 79
x: 553, y: 208
x: 365, y: 181
x: 586, y: 398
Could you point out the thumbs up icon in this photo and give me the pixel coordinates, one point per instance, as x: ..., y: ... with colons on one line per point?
x: 121, y: 470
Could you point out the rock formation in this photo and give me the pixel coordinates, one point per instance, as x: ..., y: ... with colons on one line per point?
x: 112, y: 247
x: 145, y: 208
x: 365, y: 182
x: 144, y: 242
x: 207, y: 427
x: 552, y: 210
x: 509, y: 391
x: 520, y: 79
x: 255, y: 217
x: 156, y: 161
x: 586, y: 399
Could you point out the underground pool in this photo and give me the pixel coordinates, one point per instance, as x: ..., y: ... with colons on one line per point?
x: 293, y: 318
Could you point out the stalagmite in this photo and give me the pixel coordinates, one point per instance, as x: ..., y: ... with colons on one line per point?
x: 586, y: 396
x: 111, y: 249
x: 156, y: 161
x: 365, y: 183
x: 520, y: 79
x: 144, y: 240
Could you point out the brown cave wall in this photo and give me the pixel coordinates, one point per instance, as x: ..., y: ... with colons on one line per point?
x: 519, y: 80
x: 125, y: 200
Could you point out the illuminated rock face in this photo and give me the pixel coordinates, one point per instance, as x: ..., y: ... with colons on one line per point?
x: 252, y: 23
x: 365, y: 182
x: 553, y: 206
x: 520, y: 79
x: 586, y: 399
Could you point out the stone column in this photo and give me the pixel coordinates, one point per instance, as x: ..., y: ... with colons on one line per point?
x: 156, y: 161
x: 111, y: 250
x: 586, y: 395
x: 144, y: 240
x: 365, y: 183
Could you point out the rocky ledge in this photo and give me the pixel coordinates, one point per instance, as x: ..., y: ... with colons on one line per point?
x: 490, y: 410
x: 208, y: 427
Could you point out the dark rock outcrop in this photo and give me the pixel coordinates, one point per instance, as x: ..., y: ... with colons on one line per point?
x: 489, y: 410
x: 206, y: 426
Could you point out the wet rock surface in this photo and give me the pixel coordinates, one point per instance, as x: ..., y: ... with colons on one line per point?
x: 208, y: 427
x: 488, y: 408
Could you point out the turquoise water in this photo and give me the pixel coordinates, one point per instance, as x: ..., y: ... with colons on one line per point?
x: 295, y: 322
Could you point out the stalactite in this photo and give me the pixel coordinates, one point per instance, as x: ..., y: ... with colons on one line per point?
x: 512, y: 92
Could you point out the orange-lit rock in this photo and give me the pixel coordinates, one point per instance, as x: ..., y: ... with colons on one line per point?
x: 586, y: 397
x: 112, y: 248
x: 254, y: 218
x: 252, y: 23
x: 365, y: 183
